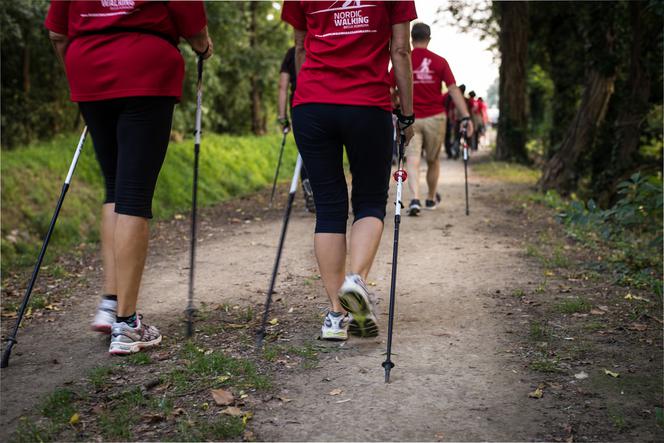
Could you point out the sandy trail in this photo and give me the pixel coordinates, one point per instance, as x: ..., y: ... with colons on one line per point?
x: 452, y: 380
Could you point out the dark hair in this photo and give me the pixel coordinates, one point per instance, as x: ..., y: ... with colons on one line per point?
x: 472, y: 93
x: 463, y: 88
x: 420, y: 32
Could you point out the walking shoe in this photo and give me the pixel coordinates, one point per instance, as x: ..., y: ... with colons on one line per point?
x: 308, y: 196
x: 432, y: 204
x: 127, y: 340
x: 414, y: 207
x: 355, y: 299
x: 335, y: 327
x: 105, y: 316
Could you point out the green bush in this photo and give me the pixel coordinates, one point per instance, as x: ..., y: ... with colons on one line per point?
x: 32, y: 179
x: 631, y: 229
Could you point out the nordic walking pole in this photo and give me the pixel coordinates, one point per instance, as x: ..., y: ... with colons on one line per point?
x: 276, y: 173
x: 275, y: 269
x: 400, y: 177
x: 194, y: 199
x: 464, y: 143
x: 11, y: 341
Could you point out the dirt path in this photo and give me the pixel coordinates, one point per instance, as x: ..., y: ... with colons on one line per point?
x: 454, y: 377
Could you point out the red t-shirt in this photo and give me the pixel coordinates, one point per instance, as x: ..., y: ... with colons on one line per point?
x: 348, y: 49
x: 102, y: 65
x: 429, y: 71
x: 472, y: 106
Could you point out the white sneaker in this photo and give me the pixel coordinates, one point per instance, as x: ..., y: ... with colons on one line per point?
x: 355, y: 299
x: 105, y: 316
x: 335, y: 327
x: 127, y: 340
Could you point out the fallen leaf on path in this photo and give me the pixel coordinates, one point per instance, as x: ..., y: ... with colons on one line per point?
x: 343, y: 401
x: 223, y: 378
x: 581, y: 375
x: 611, y: 373
x: 290, y: 311
x: 337, y: 391
x: 74, y: 419
x: 537, y: 393
x: 246, y: 417
x: 285, y: 399
x: 549, y: 273
x: 178, y: 411
x: 597, y: 312
x: 152, y: 418
x: 637, y: 327
x: 439, y: 436
x: 274, y: 321
x: 222, y: 397
x: 233, y: 411
x: 629, y: 296
x: 248, y: 436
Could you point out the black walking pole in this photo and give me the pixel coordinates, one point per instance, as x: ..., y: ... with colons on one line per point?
x: 275, y: 269
x: 281, y: 154
x: 11, y: 341
x: 194, y: 199
x: 400, y: 177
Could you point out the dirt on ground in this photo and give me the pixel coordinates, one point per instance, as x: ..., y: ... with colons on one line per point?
x: 497, y: 338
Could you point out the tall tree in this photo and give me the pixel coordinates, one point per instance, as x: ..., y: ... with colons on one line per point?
x: 563, y: 170
x: 513, y: 44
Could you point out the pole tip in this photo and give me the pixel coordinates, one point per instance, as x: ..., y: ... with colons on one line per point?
x: 388, y: 365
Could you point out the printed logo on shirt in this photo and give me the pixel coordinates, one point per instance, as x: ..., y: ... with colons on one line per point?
x: 347, y: 18
x: 423, y: 74
x: 115, y: 5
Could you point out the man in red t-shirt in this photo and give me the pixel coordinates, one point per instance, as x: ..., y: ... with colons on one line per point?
x: 430, y: 71
x: 125, y: 72
x: 342, y: 52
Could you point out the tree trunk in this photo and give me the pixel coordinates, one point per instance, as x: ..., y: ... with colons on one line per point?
x: 619, y: 157
x: 258, y: 124
x: 513, y: 42
x: 561, y: 171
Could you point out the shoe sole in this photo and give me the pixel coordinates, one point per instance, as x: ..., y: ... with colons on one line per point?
x: 363, y: 323
x: 132, y: 348
x: 331, y: 336
x: 413, y: 212
x: 431, y: 208
x: 103, y: 329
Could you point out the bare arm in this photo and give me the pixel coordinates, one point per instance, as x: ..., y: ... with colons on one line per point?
x: 300, y: 53
x: 201, y: 43
x: 284, y: 80
x: 460, y: 104
x: 59, y: 42
x: 403, y: 69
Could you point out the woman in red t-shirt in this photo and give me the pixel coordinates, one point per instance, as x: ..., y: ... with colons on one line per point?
x: 125, y: 72
x: 343, y: 99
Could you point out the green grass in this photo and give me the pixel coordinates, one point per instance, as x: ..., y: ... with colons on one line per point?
x: 59, y: 406
x: 573, y: 305
x: 201, y: 368
x: 138, y: 359
x: 99, y: 376
x: 539, y: 331
x: 508, y: 172
x: 220, y: 429
x: 32, y: 177
x: 545, y: 365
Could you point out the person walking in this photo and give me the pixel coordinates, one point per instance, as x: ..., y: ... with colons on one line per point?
x: 287, y: 78
x: 125, y: 72
x: 342, y: 51
x: 476, y: 116
x: 430, y: 71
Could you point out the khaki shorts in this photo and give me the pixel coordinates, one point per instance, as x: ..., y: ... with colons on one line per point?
x: 429, y: 137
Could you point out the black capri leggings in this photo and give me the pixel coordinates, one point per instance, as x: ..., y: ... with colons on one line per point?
x: 321, y: 131
x: 130, y: 136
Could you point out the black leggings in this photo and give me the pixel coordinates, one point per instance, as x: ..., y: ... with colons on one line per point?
x: 130, y: 136
x: 321, y: 131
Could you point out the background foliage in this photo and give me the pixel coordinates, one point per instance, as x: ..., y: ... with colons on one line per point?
x: 240, y: 80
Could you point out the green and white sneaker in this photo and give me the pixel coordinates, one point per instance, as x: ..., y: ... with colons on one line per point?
x: 335, y: 327
x: 355, y: 299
